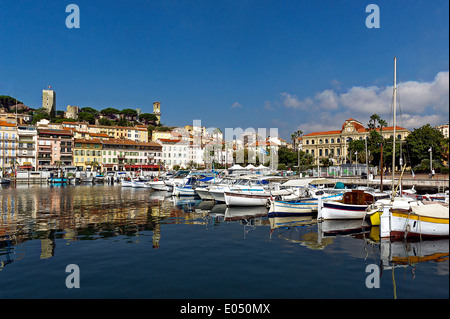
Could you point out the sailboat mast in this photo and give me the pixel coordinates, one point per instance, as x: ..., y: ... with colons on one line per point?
x: 395, y: 122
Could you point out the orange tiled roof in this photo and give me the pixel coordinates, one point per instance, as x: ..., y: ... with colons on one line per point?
x: 91, y: 141
x: 323, y: 133
x: 117, y: 141
x: 4, y: 123
x: 166, y: 140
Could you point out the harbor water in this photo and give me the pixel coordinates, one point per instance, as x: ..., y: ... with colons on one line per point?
x: 138, y: 243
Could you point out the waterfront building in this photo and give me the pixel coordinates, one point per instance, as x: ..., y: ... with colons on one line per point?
x: 8, y: 139
x: 87, y: 154
x: 443, y: 129
x: 195, y: 155
x: 27, y: 147
x: 49, y: 102
x: 334, y: 144
x: 54, y: 148
x: 174, y: 152
x: 123, y: 154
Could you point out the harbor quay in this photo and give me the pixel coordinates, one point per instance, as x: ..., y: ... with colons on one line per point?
x: 421, y: 183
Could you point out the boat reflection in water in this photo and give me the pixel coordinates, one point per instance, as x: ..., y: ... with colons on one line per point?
x: 409, y: 254
x: 55, y: 217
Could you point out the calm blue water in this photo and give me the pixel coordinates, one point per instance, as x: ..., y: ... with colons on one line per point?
x: 135, y: 243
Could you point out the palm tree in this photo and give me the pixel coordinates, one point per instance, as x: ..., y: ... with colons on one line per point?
x: 373, y: 121
x: 295, y: 136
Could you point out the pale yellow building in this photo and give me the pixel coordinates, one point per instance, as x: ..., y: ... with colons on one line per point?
x: 334, y: 144
x: 167, y: 135
x: 87, y: 154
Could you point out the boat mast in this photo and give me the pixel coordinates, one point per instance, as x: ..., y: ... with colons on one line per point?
x: 395, y: 122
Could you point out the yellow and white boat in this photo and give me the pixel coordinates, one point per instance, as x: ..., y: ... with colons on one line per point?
x: 420, y: 221
x: 375, y: 210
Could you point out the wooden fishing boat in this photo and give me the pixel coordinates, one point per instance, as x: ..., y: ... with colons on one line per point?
x: 352, y: 206
x: 421, y: 221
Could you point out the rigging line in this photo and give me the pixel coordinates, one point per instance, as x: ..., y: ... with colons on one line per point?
x: 403, y: 125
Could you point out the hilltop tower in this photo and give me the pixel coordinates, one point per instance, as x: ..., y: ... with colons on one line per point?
x: 157, y: 111
x: 49, y: 102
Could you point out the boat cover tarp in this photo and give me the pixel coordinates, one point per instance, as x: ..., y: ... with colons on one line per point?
x: 306, y: 181
x: 236, y: 167
x: 431, y: 210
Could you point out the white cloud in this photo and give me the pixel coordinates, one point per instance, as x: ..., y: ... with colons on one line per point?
x: 419, y: 103
x: 416, y: 121
x: 327, y: 99
x: 292, y: 101
x: 236, y: 105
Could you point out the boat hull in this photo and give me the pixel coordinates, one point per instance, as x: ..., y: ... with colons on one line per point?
x: 127, y: 184
x: 140, y: 184
x: 159, y: 186
x: 405, y: 224
x: 183, y: 191
x: 58, y: 180
x: 285, y: 209
x: 339, y: 210
x: 246, y: 199
x: 218, y: 195
x: 204, y: 193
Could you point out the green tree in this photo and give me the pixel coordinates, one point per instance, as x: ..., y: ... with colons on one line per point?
x: 419, y: 142
x: 147, y: 118
x: 130, y: 113
x: 109, y: 111
x: 86, y: 117
x: 90, y: 110
x: 357, y: 146
x: 105, y: 121
x: 8, y: 102
x: 40, y: 114
x: 294, y: 138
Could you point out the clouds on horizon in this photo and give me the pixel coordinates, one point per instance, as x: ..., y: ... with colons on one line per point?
x: 418, y: 102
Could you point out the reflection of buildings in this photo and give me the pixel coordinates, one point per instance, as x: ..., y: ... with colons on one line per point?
x: 40, y: 212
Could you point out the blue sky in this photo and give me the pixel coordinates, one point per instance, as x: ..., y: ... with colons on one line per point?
x: 305, y: 65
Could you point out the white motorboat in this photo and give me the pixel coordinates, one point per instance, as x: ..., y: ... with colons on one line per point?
x: 140, y: 184
x: 186, y: 190
x: 127, y: 183
x: 246, y: 198
x: 302, y: 206
x: 159, y: 186
x: 203, y: 192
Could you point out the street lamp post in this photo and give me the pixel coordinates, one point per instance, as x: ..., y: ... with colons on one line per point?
x: 431, y: 160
